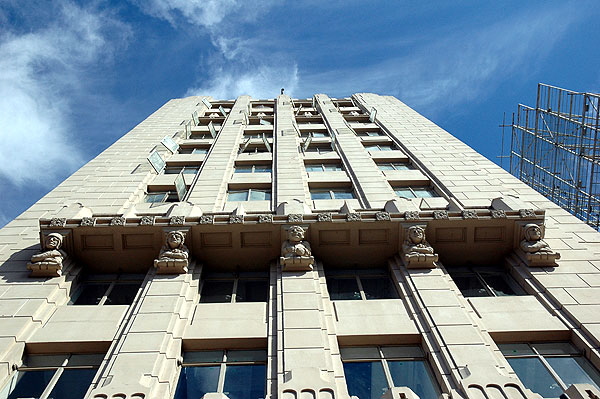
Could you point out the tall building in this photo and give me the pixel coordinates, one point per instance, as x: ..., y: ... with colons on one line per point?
x: 297, y: 249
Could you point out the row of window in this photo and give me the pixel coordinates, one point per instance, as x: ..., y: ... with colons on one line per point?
x: 547, y: 368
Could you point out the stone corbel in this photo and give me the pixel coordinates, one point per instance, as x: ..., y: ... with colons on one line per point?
x: 51, y: 260
x: 296, y: 253
x: 416, y: 252
x: 532, y: 249
x: 174, y: 255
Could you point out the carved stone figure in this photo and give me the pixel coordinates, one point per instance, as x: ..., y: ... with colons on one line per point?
x: 174, y: 255
x: 49, y: 262
x: 536, y: 250
x: 295, y: 252
x: 416, y: 251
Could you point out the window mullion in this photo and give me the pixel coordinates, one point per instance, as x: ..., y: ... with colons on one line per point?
x: 222, y: 370
x: 107, y: 293
x: 487, y: 287
x: 360, y: 288
x: 550, y: 369
x: 386, y: 369
x: 54, y: 380
x: 234, y: 294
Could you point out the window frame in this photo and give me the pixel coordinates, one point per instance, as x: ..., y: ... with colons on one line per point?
x: 380, y: 146
x: 112, y: 280
x: 175, y: 170
x: 238, y: 167
x: 249, y: 191
x: 235, y: 278
x: 331, y: 192
x: 168, y: 196
x: 323, y: 166
x: 319, y: 148
x: 479, y: 272
x: 357, y: 273
x: 395, y: 165
x: 419, y: 189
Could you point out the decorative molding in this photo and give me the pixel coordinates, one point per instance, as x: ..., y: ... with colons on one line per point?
x: 324, y: 217
x: 498, y: 214
x: 236, y: 219
x: 469, y: 214
x: 440, y: 215
x: 87, y: 222
x: 58, y: 222
x: 117, y: 221
x: 265, y: 218
x: 295, y: 218
x: 207, y: 219
x: 147, y: 221
x: 380, y: 216
x: 353, y: 217
x: 411, y: 215
x: 177, y: 221
x: 527, y: 213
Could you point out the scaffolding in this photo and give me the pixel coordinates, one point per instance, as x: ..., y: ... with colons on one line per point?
x: 555, y: 149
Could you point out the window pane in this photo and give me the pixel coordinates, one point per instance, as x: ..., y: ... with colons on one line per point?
x: 401, y: 166
x: 246, y: 356
x: 365, y: 379
x: 319, y: 134
x: 245, y: 382
x: 252, y: 291
x: 314, y: 168
x: 574, y: 370
x: 241, y: 195
x: 385, y: 148
x: 30, y: 384
x: 260, y: 195
x: 243, y: 169
x: 172, y: 171
x: 190, y: 171
x: 424, y: 192
x: 498, y: 284
x: 321, y: 194
x: 345, y: 194
x: 378, y: 288
x: 200, y: 151
x: 194, y: 382
x: 385, y: 166
x: 262, y: 169
x: 535, y: 376
x: 469, y: 285
x: 332, y: 167
x: 214, y: 291
x: 91, y: 293
x: 122, y: 294
x: 415, y: 375
x: 404, y: 192
x: 155, y: 197
x: 342, y: 288
x: 73, y: 383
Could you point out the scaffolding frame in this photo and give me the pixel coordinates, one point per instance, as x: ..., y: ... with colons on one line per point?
x: 555, y: 149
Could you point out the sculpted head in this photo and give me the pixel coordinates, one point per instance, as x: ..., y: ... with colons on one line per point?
x: 175, y: 239
x: 296, y: 234
x: 416, y: 234
x: 53, y: 241
x: 533, y: 232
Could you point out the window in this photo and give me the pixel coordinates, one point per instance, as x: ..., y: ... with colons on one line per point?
x: 187, y: 170
x: 394, y: 166
x: 258, y: 135
x: 239, y: 374
x: 253, y: 168
x: 415, y: 192
x: 360, y: 284
x: 320, y: 148
x: 249, y: 194
x: 380, y: 147
x: 161, y: 196
x: 53, y: 376
x: 234, y: 287
x: 550, y: 368
x: 334, y: 193
x: 370, y: 371
x: 108, y: 289
x: 253, y: 149
x: 315, y: 134
x: 323, y: 167
x: 475, y: 281
x: 193, y: 150
x: 370, y: 133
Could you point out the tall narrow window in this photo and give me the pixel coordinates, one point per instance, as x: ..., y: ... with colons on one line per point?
x: 108, y: 289
x: 360, y: 284
x: 474, y: 281
x: 234, y: 287
x: 239, y: 374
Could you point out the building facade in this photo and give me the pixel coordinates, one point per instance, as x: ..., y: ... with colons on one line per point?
x: 297, y: 249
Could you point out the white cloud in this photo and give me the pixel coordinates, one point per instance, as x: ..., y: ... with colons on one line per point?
x: 41, y: 73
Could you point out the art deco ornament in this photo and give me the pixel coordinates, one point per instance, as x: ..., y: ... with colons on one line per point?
x: 49, y: 262
x: 534, y: 250
x: 296, y: 254
x: 416, y: 251
x: 174, y: 255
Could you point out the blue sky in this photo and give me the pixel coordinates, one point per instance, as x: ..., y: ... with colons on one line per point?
x: 76, y: 76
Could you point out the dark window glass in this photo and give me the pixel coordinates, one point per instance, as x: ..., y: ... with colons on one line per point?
x: 122, y: 294
x: 91, y: 294
x: 535, y: 376
x: 316, y: 195
x: 245, y: 381
x: 73, y: 383
x: 414, y: 374
x: 575, y: 370
x: 341, y: 288
x: 498, y: 284
x: 215, y: 291
x: 194, y: 382
x: 31, y: 384
x: 365, y: 379
x: 470, y: 286
x: 252, y: 291
x: 378, y: 288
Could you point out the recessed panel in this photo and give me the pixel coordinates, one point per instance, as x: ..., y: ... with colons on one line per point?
x: 489, y: 233
x: 97, y: 242
x: 256, y: 239
x: 451, y: 234
x: 334, y: 237
x: 373, y: 236
x: 137, y: 241
x: 215, y: 239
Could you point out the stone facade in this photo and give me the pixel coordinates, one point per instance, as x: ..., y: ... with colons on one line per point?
x: 333, y: 192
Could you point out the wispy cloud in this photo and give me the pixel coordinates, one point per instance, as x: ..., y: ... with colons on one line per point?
x: 441, y: 72
x: 41, y: 73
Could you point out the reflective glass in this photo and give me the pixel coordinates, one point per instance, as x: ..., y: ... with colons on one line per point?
x: 498, y: 284
x: 243, y: 169
x: 73, y: 383
x: 416, y: 375
x: 200, y: 151
x: 404, y: 192
x: 262, y: 169
x: 260, y: 195
x: 215, y: 291
x: 378, y: 288
x: 30, y: 384
x: 424, y: 192
x: 321, y: 194
x: 535, y: 376
x: 173, y: 171
x: 194, y: 382
x: 386, y: 166
x: 122, y: 294
x: 155, y: 197
x: 332, y: 167
x: 365, y: 379
x: 319, y: 134
x: 252, y: 291
x: 469, y: 285
x: 343, y: 288
x: 346, y: 194
x: 574, y: 370
x: 314, y: 168
x: 245, y: 381
x: 190, y: 171
x: 91, y: 294
x: 241, y: 195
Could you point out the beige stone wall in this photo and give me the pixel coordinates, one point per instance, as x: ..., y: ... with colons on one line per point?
x: 300, y: 326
